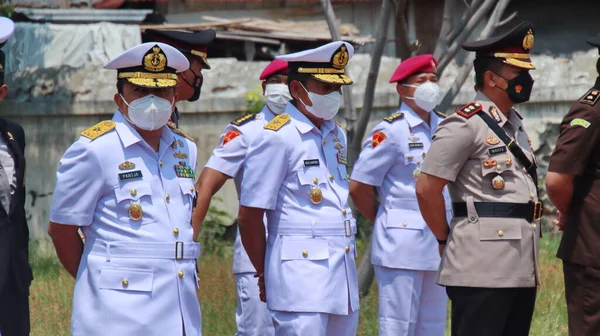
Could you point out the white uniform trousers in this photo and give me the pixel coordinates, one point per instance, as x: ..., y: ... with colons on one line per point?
x: 252, y: 316
x: 410, y: 303
x: 314, y: 324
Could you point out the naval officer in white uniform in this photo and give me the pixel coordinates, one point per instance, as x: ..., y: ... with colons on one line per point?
x: 295, y: 170
x: 128, y: 183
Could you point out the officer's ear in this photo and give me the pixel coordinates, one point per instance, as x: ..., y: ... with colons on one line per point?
x: 3, y: 91
x: 489, y: 78
x: 296, y: 89
x: 119, y: 102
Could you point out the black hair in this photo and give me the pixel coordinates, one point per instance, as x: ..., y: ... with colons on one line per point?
x: 598, y: 66
x: 483, y: 64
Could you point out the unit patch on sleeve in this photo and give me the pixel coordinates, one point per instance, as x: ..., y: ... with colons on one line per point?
x: 580, y: 122
x: 378, y: 137
x: 229, y: 136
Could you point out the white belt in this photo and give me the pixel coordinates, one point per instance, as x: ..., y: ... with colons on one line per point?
x: 407, y: 204
x: 342, y: 228
x: 174, y: 250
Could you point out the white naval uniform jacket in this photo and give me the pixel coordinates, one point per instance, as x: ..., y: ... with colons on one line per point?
x: 228, y: 159
x: 392, y: 154
x: 309, y: 261
x: 129, y: 281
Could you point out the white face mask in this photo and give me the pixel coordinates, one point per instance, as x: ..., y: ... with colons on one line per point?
x: 323, y: 106
x: 149, y: 112
x: 426, y: 95
x: 277, y: 97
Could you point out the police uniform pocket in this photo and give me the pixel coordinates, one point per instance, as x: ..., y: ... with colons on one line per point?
x: 132, y: 198
x: 126, y: 279
x: 304, y: 249
x: 405, y: 219
x: 499, y: 229
x: 498, y: 175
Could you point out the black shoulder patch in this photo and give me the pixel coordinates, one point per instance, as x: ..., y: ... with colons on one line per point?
x: 440, y: 114
x: 469, y: 110
x: 591, y: 97
x: 394, y: 117
x: 244, y: 119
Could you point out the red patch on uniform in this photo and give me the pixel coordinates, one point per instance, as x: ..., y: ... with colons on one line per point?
x: 229, y: 136
x: 378, y: 138
x: 518, y: 88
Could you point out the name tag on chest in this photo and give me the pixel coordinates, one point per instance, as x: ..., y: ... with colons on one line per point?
x: 130, y: 175
x: 497, y: 150
x: 311, y: 163
x: 413, y: 145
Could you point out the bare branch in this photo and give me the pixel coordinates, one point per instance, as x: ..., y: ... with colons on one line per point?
x: 464, y: 35
x: 507, y: 20
x: 465, y: 70
x: 449, y: 7
x: 474, y: 6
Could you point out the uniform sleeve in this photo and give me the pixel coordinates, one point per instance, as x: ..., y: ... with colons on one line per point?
x: 265, y: 168
x: 579, y: 133
x: 79, y: 186
x: 379, y: 154
x: 229, y: 156
x: 451, y: 146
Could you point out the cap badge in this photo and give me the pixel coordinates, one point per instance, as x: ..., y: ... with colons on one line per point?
x: 528, y: 40
x: 340, y: 58
x: 155, y: 60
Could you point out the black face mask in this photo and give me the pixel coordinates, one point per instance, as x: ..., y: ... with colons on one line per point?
x: 519, y: 88
x: 196, y: 84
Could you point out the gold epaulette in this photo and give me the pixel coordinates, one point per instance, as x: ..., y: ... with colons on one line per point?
x: 440, y: 114
x: 244, y: 119
x: 469, y: 110
x: 277, y: 122
x: 591, y: 97
x: 394, y: 117
x: 99, y: 129
x: 178, y: 131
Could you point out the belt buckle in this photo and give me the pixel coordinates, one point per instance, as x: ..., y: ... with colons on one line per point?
x: 537, y: 211
x: 178, y: 250
x: 347, y: 228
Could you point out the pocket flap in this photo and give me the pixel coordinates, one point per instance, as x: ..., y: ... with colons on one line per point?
x: 499, y: 229
x: 405, y: 219
x: 132, y: 191
x: 129, y: 279
x: 498, y: 165
x: 304, y: 248
x: 187, y: 187
x: 312, y: 176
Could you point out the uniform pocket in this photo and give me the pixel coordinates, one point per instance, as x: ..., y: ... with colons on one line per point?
x: 126, y: 279
x: 498, y: 175
x: 132, y: 198
x: 189, y: 192
x: 499, y: 229
x: 304, y: 249
x: 405, y: 219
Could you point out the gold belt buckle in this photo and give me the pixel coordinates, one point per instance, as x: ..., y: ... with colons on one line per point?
x: 178, y: 250
x: 537, y: 211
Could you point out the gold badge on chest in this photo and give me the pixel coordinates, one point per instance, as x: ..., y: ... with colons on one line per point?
x: 316, y: 195
x: 135, y: 212
x: 498, y: 182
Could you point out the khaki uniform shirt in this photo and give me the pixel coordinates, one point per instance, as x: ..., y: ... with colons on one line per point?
x: 577, y: 153
x: 485, y: 251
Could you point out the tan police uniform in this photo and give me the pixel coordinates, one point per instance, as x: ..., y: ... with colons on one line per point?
x: 577, y: 153
x: 490, y: 262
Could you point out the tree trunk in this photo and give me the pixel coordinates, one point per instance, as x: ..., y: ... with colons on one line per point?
x: 365, y: 270
x: 350, y: 114
x: 465, y: 70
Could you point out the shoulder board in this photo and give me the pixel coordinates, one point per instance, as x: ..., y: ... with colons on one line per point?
x: 394, y: 117
x: 440, y: 114
x: 469, y: 110
x: 244, y: 119
x: 180, y: 132
x: 99, y: 129
x: 591, y: 97
x: 518, y: 114
x: 277, y: 122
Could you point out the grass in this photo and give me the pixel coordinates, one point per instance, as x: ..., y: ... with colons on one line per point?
x: 52, y: 288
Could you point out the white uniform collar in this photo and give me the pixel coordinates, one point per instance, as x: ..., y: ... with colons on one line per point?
x: 413, y: 119
x: 130, y: 136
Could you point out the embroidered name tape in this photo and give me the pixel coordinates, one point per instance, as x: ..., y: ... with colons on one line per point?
x: 415, y: 145
x: 130, y: 175
x: 497, y: 150
x: 311, y: 163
